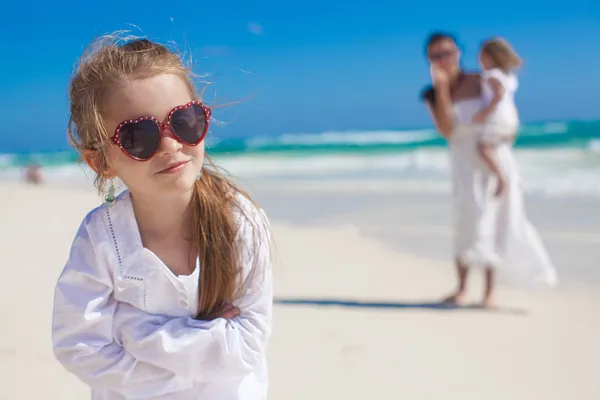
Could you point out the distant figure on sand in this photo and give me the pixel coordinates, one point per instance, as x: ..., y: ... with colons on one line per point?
x: 167, y: 292
x: 490, y: 233
x: 33, y: 174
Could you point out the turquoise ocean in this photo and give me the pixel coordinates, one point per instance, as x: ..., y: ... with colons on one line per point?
x: 556, y: 158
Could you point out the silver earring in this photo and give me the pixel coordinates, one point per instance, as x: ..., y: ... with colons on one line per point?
x: 110, y: 196
x: 199, y: 175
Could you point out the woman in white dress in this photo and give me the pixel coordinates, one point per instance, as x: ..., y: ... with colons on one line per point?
x: 490, y: 233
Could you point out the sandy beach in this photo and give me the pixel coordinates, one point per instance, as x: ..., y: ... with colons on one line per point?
x: 357, y: 281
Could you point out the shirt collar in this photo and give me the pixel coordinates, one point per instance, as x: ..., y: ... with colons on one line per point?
x: 134, y: 260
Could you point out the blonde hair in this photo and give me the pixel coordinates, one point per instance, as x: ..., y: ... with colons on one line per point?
x: 502, y: 54
x: 109, y: 62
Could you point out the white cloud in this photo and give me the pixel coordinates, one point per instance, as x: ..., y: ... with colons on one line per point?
x: 255, y: 28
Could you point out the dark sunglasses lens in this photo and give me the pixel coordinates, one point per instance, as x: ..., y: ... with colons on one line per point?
x: 189, y: 124
x: 441, y: 55
x: 140, y: 139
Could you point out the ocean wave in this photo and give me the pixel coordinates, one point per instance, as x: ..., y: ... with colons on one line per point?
x: 594, y: 145
x: 555, y: 158
x: 345, y: 138
x: 47, y: 159
x: 552, y: 134
x: 253, y: 166
x: 573, y: 134
x: 550, y: 171
x: 554, y: 172
x: 548, y: 128
x: 7, y: 161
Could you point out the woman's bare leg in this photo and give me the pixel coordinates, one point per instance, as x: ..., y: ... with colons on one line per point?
x: 459, y: 295
x: 488, y: 294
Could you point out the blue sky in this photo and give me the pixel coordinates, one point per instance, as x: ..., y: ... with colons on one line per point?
x: 300, y: 66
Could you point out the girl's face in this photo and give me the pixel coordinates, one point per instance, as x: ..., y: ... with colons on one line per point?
x: 444, y: 55
x: 175, y: 166
x: 485, y: 60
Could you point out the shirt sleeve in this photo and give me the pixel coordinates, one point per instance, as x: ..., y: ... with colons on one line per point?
x: 218, y: 349
x: 82, y: 330
x: 428, y: 95
x: 495, y: 73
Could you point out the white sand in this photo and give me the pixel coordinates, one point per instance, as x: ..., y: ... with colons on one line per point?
x: 539, y: 345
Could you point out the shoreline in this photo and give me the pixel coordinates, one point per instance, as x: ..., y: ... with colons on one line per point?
x: 409, y: 220
x: 554, y: 171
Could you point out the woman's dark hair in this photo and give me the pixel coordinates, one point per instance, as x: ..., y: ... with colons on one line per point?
x: 428, y: 93
x: 436, y: 37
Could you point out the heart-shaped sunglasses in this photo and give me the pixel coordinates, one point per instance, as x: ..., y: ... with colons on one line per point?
x: 140, y: 138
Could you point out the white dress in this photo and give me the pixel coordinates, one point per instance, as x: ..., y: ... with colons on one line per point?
x: 503, y: 122
x: 489, y: 231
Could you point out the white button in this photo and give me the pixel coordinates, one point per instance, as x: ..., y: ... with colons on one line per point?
x: 183, y: 303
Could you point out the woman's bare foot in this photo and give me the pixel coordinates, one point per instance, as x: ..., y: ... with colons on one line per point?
x: 455, y: 299
x: 488, y: 302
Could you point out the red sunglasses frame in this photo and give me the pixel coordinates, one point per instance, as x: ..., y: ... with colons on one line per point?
x: 162, y: 126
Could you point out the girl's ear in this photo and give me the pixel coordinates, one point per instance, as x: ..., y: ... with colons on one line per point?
x: 93, y: 159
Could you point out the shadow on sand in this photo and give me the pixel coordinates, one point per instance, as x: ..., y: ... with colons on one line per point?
x: 437, y: 306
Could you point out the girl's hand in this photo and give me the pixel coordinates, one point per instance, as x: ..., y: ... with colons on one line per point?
x: 438, y: 76
x: 227, y: 311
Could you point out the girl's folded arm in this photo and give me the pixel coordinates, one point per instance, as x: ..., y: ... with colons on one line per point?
x: 210, y: 350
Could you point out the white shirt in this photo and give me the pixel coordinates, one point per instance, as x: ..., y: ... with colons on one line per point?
x: 504, y: 120
x: 123, y: 322
x: 506, y: 110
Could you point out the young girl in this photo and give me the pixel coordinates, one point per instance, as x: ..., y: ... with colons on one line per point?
x: 499, y: 117
x: 167, y: 292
